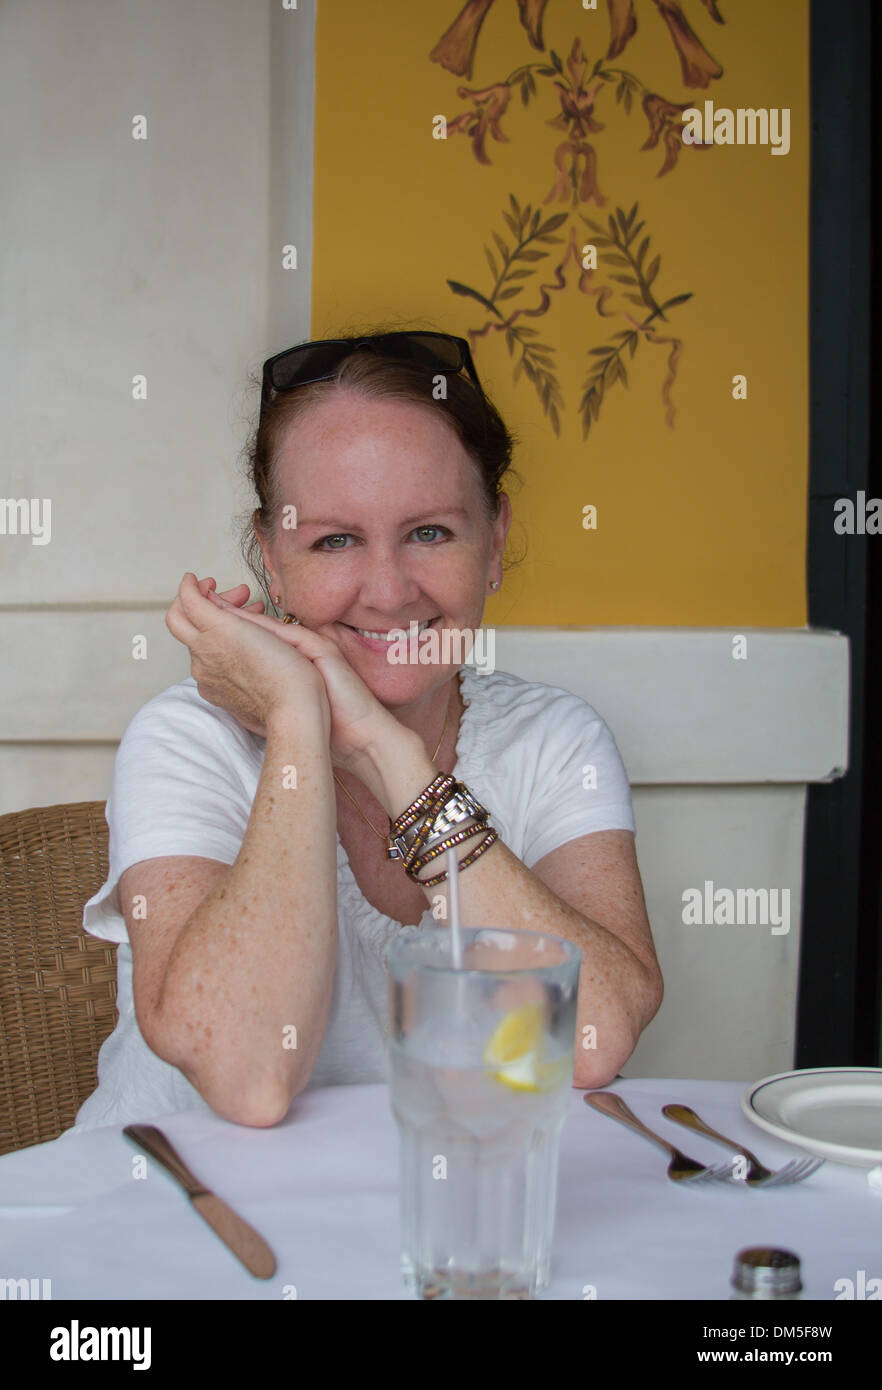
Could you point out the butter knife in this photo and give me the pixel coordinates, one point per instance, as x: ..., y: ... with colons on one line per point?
x: 242, y: 1239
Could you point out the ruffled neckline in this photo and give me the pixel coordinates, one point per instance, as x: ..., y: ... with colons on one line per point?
x: 376, y: 927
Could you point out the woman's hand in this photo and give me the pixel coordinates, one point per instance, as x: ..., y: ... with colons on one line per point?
x: 236, y: 665
x: 358, y: 719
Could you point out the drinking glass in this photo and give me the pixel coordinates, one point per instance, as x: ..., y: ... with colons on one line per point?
x: 480, y: 1072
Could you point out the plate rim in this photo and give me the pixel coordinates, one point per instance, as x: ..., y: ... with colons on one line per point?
x: 868, y: 1157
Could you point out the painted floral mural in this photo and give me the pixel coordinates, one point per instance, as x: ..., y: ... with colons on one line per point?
x: 609, y: 261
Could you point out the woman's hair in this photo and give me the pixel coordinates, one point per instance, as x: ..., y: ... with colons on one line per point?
x: 474, y: 418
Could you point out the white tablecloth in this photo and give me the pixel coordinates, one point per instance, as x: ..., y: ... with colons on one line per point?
x: 322, y: 1188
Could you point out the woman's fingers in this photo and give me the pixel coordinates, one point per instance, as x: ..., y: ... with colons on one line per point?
x: 179, y: 624
x: 238, y: 595
x: 307, y: 642
x: 200, y: 609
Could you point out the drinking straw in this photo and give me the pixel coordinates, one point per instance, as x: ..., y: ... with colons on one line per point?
x: 453, y: 907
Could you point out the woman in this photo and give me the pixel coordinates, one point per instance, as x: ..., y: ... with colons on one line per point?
x: 253, y: 803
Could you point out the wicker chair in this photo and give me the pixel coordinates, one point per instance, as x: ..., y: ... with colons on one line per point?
x: 57, y: 984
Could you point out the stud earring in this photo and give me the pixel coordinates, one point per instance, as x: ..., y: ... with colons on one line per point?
x: 277, y: 598
x: 494, y: 583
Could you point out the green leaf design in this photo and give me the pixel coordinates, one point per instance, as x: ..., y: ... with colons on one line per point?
x: 636, y: 299
x: 510, y: 294
x: 501, y: 248
x: 491, y: 262
x: 624, y: 279
x: 652, y: 269
x: 519, y: 274
x: 531, y: 255
x: 551, y: 224
x: 512, y: 226
x: 644, y: 246
x: 628, y: 101
x: 678, y: 299
x: 472, y: 294
x: 555, y: 60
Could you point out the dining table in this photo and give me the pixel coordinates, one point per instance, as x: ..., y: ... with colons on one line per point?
x: 100, y: 1221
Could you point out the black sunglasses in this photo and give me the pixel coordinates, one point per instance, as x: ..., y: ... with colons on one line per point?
x: 318, y: 361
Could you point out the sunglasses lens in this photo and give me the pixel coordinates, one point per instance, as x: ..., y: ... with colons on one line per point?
x: 425, y: 349
x: 318, y: 361
x: 304, y: 364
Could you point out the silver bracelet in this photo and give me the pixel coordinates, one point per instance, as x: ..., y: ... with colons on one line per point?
x: 459, y: 807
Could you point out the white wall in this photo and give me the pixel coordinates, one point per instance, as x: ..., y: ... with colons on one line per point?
x: 163, y: 257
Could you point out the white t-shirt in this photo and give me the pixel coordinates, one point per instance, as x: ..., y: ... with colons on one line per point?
x: 541, y: 760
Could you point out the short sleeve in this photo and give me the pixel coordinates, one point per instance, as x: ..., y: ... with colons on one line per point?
x: 580, y: 783
x: 180, y: 786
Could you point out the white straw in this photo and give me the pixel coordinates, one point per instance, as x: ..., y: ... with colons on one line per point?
x: 453, y: 907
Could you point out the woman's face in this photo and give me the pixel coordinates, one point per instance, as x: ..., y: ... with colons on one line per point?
x: 392, y: 528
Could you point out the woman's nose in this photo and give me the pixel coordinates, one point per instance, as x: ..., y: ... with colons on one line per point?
x: 386, y: 585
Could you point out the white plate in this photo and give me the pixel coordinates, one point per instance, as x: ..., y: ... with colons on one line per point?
x: 835, y: 1112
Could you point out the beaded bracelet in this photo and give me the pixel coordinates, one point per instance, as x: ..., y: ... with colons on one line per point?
x: 490, y: 838
x: 477, y: 818
x: 427, y: 805
x: 442, y: 783
x: 442, y: 821
x: 467, y: 833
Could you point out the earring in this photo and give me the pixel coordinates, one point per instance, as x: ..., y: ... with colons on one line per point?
x: 289, y: 618
x: 277, y: 598
x: 494, y: 583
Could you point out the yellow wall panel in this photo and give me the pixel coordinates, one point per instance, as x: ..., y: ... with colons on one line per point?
x: 701, y: 498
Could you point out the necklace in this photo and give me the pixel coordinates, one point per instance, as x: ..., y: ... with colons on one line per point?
x: 348, y: 793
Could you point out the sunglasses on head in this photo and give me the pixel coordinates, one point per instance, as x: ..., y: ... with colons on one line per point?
x: 318, y: 361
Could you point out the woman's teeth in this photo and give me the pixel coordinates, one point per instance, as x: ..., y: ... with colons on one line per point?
x: 393, y: 635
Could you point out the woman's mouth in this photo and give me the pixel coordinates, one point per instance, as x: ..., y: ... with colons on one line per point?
x: 380, y: 641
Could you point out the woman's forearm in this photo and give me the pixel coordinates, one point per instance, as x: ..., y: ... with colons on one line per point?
x: 618, y: 993
x: 245, y: 998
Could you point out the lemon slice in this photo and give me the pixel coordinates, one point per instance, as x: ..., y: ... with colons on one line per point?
x: 516, y: 1048
x: 519, y: 1034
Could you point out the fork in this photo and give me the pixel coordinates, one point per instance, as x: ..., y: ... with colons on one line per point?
x: 797, y: 1170
x: 681, y: 1168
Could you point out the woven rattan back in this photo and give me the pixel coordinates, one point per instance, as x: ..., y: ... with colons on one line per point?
x: 57, y: 984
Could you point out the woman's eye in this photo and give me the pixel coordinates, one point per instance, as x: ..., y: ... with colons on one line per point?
x: 332, y: 543
x: 429, y: 533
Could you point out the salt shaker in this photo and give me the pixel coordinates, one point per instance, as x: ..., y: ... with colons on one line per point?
x: 764, y: 1272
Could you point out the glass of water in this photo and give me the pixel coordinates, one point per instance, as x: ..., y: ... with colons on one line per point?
x: 480, y: 1072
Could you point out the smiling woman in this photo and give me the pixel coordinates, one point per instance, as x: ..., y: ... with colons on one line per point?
x: 251, y: 899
